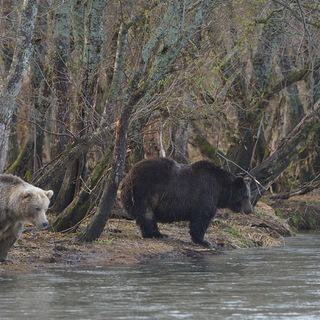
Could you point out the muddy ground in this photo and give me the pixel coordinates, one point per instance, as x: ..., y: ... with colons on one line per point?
x: 121, y: 242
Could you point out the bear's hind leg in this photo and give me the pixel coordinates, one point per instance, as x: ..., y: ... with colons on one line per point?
x: 148, y: 225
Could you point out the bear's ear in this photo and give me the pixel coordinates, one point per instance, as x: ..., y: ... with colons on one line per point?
x: 247, y: 179
x: 27, y: 194
x: 238, y: 182
x: 49, y: 193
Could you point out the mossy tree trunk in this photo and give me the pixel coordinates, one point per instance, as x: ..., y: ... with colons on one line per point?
x: 82, y: 202
x: 293, y: 109
x: 178, y: 143
x: 315, y: 160
x: 249, y: 115
x: 60, y: 122
x: 205, y: 147
x: 152, y: 139
x: 93, y: 43
x: 30, y: 158
x: 17, y: 74
x: 294, y: 144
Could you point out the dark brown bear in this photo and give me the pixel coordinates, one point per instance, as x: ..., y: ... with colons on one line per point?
x: 162, y: 190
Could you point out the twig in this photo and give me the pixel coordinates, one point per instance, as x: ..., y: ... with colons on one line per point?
x: 256, y: 143
x: 70, y: 135
x: 245, y: 171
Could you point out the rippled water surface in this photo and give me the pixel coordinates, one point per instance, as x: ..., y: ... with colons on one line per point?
x: 273, y: 283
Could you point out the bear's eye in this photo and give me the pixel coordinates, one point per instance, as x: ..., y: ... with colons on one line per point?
x: 38, y: 209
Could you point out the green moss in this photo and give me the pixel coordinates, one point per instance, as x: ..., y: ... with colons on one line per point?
x: 105, y: 242
x: 311, y: 222
x: 233, y: 232
x: 302, y: 222
x: 278, y: 213
x: 238, y: 236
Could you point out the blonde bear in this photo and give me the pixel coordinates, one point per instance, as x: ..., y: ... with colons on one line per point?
x: 20, y: 202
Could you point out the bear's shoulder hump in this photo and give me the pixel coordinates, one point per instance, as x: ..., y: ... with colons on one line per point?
x: 10, y: 179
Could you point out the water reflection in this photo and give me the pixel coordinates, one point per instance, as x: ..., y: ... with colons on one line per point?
x: 275, y: 283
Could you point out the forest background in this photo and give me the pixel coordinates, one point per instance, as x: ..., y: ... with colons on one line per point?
x: 89, y: 88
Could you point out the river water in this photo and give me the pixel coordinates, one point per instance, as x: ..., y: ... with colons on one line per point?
x: 273, y: 283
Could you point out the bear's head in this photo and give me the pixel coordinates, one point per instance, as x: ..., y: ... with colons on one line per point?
x: 35, y: 203
x: 240, y: 199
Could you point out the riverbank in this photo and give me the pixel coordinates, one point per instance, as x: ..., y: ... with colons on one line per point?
x: 121, y: 242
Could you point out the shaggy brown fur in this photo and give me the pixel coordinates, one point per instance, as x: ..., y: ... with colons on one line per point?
x: 161, y: 190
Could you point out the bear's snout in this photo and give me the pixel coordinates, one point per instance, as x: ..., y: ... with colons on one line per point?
x: 45, y: 225
x: 248, y: 210
x: 42, y: 224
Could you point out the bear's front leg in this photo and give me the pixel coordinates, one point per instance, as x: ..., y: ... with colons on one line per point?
x: 6, y: 261
x: 5, y: 245
x: 199, y: 224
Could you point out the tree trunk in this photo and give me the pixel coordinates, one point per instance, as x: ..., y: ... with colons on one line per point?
x: 85, y: 123
x: 205, y: 147
x: 94, y: 11
x: 270, y: 169
x: 293, y: 109
x: 77, y: 14
x: 152, y: 139
x: 249, y: 117
x: 178, y: 148
x: 81, y: 203
x: 64, y: 186
x: 118, y: 72
x: 315, y: 159
x: 17, y: 74
x: 97, y: 224
x: 61, y: 83
x: 30, y: 158
x: 7, y: 14
x: 20, y: 165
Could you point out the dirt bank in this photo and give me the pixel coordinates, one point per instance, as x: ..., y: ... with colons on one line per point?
x: 302, y: 211
x: 121, y: 242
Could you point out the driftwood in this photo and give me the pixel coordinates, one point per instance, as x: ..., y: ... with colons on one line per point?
x: 263, y: 225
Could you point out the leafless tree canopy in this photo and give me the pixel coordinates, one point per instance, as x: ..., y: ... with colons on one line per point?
x: 89, y: 88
